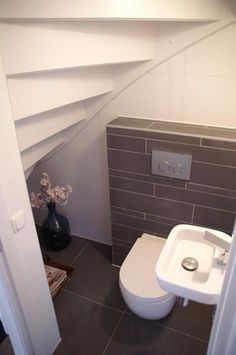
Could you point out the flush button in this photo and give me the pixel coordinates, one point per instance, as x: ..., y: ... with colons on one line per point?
x: 164, y: 166
x: 178, y: 168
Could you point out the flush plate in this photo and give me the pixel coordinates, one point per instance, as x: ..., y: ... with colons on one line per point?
x: 171, y: 165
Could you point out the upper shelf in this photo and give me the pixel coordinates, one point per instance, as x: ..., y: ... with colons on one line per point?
x: 188, y: 10
x: 61, y: 45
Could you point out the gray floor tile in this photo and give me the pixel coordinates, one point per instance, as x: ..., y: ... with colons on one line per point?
x: 85, y: 326
x: 136, y: 336
x: 195, y: 320
x: 67, y: 255
x: 6, y: 347
x: 95, y: 277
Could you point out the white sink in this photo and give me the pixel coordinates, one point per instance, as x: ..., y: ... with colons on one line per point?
x: 202, y: 285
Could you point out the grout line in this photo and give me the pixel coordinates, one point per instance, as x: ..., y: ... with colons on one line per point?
x: 114, y: 331
x: 126, y: 136
x: 151, y: 220
x: 172, y: 200
x: 91, y: 300
x: 144, y: 230
x: 132, y: 172
x: 150, y: 125
x: 150, y: 196
x: 200, y: 141
x: 185, y: 187
x: 184, y: 87
x: 146, y: 182
x: 215, y: 164
x: 127, y: 151
x: 154, y: 190
x: 128, y: 178
x: 167, y: 218
x: 78, y: 255
x: 212, y: 193
x: 193, y: 214
x: 146, y: 145
x: 113, y: 171
x: 173, y: 142
x: 182, y: 333
x: 218, y: 148
x: 126, y: 211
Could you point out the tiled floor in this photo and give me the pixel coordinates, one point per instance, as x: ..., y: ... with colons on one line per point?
x: 94, y: 320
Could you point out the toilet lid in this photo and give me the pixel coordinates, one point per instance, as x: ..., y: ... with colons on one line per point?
x: 137, y: 273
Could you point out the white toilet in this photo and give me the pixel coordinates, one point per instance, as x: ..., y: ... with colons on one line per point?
x: 138, y: 282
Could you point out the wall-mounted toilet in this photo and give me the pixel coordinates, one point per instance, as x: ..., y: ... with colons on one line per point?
x: 138, y: 282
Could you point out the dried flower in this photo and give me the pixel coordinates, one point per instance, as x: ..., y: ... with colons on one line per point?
x: 58, y: 194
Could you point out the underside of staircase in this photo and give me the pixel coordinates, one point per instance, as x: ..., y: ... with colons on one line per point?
x: 58, y: 55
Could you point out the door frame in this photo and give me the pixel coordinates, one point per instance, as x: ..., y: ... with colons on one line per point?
x: 223, y: 333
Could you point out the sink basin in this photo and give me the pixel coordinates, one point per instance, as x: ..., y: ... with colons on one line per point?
x: 201, y: 283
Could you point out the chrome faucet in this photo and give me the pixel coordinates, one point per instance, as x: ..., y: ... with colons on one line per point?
x: 221, y: 242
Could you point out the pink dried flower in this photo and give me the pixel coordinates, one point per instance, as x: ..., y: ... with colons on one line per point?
x: 58, y: 194
x: 45, y: 181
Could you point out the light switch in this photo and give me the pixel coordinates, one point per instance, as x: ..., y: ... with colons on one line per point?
x: 18, y: 221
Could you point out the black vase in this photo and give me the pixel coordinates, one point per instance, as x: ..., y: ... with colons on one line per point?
x: 56, y: 230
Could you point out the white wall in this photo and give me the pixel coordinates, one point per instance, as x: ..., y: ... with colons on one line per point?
x: 81, y: 165
x: 196, y: 85
x: 172, y: 9
x: 20, y: 251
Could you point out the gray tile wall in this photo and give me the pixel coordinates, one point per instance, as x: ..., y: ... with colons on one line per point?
x: 141, y: 202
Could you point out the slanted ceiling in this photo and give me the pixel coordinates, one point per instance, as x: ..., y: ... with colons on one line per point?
x: 53, y: 65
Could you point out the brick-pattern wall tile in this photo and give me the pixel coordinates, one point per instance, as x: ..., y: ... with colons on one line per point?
x: 135, y: 162
x: 152, y: 205
x: 126, y: 143
x: 140, y: 187
x: 142, y: 202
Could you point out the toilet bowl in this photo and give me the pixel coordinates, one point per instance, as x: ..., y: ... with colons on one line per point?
x: 138, y: 282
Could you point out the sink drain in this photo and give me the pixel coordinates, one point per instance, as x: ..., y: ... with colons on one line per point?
x: 190, y: 264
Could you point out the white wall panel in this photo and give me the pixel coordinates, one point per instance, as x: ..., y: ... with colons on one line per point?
x: 158, y: 96
x: 35, y: 93
x: 29, y: 171
x: 55, y: 45
x: 21, y: 249
x: 38, y: 128
x: 159, y: 9
x: 4, y: 99
x: 174, y: 66
x: 33, y: 155
x: 9, y: 157
x: 81, y: 165
x: 197, y: 85
x: 215, y: 55
x: 210, y: 100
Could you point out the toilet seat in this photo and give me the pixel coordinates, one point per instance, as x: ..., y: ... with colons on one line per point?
x: 138, y: 282
x: 137, y: 273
